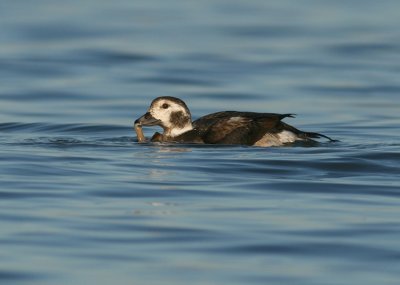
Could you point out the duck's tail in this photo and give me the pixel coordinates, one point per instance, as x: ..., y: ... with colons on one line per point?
x: 312, y: 135
x: 307, y: 135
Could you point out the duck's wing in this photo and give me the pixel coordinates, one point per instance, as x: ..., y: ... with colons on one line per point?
x: 233, y: 127
x: 204, y: 123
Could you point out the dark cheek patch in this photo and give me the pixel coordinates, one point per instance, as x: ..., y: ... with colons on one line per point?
x: 179, y: 119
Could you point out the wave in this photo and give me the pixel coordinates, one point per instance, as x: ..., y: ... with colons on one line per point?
x: 61, y: 128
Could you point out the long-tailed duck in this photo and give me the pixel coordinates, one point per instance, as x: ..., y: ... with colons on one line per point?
x: 228, y: 127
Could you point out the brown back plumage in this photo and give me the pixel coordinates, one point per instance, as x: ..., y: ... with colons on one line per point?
x: 232, y: 127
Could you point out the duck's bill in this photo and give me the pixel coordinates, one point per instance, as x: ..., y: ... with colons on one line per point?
x: 147, y: 120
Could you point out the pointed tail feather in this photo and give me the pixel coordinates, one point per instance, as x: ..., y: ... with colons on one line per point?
x: 282, y: 116
x: 311, y: 135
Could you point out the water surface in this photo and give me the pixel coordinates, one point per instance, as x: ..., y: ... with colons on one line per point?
x: 81, y: 202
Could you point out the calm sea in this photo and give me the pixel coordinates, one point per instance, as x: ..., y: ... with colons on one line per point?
x: 81, y: 202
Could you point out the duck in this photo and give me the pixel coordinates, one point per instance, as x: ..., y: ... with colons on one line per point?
x: 226, y: 127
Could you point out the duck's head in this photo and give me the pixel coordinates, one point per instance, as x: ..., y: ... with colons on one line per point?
x: 170, y: 113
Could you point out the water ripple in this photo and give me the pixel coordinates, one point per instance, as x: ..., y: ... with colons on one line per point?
x: 357, y: 49
x: 19, y: 276
x: 334, y: 250
x: 263, y: 31
x: 60, y: 128
x: 82, y: 202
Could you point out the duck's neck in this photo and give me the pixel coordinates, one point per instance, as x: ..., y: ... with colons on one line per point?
x: 177, y: 131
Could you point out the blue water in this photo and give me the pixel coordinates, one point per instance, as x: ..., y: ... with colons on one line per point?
x: 81, y: 202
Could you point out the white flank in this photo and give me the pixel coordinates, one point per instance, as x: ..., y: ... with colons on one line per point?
x: 276, y: 139
x: 287, y: 137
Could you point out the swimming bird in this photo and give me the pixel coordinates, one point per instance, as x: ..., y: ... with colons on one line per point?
x: 227, y: 127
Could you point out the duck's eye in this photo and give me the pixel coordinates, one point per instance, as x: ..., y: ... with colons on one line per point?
x: 165, y: 106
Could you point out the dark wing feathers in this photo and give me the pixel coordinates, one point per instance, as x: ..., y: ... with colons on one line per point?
x: 223, y: 129
x: 233, y: 127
